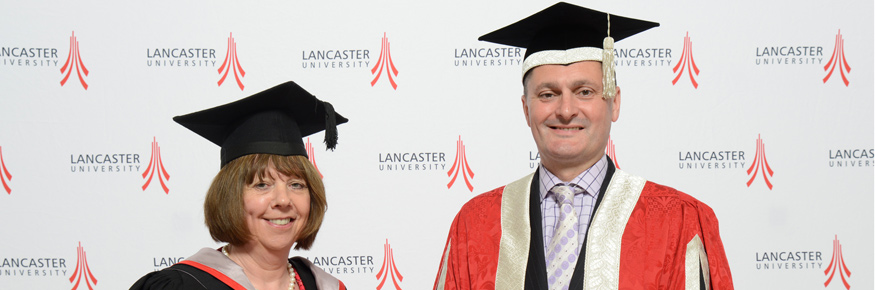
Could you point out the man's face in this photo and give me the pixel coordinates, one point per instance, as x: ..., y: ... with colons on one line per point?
x: 570, y: 120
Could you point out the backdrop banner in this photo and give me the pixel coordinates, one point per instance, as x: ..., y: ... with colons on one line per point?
x: 761, y: 109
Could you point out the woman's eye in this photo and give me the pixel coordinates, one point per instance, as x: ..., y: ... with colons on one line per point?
x: 260, y: 185
x: 298, y: 185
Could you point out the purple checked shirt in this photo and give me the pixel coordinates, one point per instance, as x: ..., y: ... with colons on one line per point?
x: 590, y: 181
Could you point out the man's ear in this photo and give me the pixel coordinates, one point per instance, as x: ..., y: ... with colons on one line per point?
x: 615, y: 110
x: 525, y: 109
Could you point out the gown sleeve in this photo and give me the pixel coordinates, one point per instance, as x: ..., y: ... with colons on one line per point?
x: 470, y: 255
x: 166, y: 280
x: 452, y: 261
x: 720, y: 276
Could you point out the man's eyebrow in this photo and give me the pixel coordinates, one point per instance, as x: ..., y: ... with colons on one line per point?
x: 585, y: 82
x: 575, y: 84
x: 546, y: 85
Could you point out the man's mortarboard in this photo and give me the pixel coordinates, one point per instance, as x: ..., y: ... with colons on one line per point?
x: 566, y: 33
x: 273, y: 121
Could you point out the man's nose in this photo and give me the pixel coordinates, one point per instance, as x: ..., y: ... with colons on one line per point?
x: 567, y: 108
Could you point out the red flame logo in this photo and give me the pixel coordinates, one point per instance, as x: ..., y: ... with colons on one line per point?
x: 461, y: 164
x: 686, y: 63
x: 312, y: 157
x: 838, y: 58
x: 231, y: 63
x: 837, y: 261
x: 612, y: 153
x: 389, y: 268
x: 74, y: 61
x: 4, y: 173
x: 82, y: 270
x: 760, y: 161
x: 155, y: 164
x: 385, y: 60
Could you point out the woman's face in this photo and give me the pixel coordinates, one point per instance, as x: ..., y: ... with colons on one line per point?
x: 276, y: 209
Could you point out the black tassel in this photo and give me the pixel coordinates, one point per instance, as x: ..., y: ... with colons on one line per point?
x: 330, y: 126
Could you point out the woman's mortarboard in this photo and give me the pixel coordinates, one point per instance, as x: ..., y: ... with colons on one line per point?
x: 565, y: 33
x: 273, y: 121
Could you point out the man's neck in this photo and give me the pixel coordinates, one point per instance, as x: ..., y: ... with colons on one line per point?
x: 567, y: 172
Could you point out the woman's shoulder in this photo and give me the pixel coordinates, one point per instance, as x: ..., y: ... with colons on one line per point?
x: 168, y: 278
x: 313, y: 276
x: 178, y: 277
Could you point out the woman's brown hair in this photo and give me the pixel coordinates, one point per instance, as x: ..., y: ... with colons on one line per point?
x: 223, y: 205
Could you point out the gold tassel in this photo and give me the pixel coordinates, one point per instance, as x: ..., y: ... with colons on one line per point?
x: 608, y: 76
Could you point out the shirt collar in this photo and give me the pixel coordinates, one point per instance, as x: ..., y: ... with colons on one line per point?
x: 590, y: 179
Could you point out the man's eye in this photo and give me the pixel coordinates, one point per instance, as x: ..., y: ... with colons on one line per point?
x: 546, y: 95
x: 586, y: 92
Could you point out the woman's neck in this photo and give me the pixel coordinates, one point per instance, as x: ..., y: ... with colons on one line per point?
x: 265, y: 269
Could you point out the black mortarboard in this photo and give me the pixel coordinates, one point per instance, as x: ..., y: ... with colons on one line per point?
x: 565, y: 33
x: 273, y: 121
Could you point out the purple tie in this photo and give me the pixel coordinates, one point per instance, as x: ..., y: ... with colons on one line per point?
x: 563, y: 250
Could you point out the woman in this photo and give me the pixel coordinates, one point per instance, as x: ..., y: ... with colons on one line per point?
x: 266, y: 198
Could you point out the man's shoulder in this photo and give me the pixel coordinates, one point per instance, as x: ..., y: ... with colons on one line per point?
x: 483, y: 202
x: 656, y: 191
x: 653, y: 189
x: 490, y: 200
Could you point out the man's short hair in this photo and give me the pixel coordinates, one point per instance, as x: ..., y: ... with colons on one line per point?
x: 223, y: 205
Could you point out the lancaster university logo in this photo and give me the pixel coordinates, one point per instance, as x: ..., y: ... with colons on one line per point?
x: 686, y: 63
x: 82, y: 270
x: 759, y: 162
x: 312, y: 157
x: 612, y: 153
x: 461, y: 164
x: 156, y: 165
x: 385, y: 61
x: 838, y: 59
x: 231, y: 63
x: 74, y: 61
x: 4, y: 173
x: 837, y: 262
x: 389, y: 268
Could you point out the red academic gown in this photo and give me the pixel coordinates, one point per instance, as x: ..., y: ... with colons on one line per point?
x: 642, y: 236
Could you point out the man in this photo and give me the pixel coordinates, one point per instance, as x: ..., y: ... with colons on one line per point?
x: 578, y: 222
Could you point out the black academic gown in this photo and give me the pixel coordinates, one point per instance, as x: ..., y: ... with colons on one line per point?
x: 207, y: 270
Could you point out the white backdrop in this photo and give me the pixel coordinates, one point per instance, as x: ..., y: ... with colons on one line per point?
x: 761, y: 78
